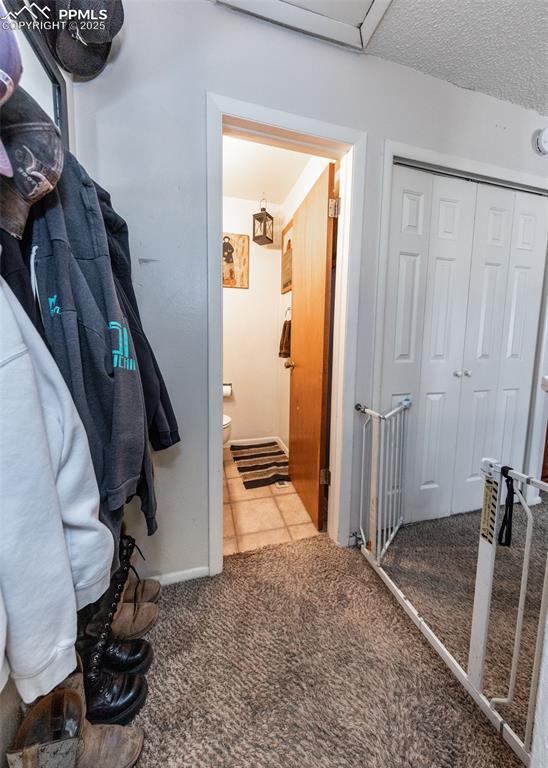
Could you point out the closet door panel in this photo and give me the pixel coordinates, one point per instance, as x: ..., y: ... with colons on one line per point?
x: 436, y: 405
x: 405, y: 290
x: 407, y: 263
x: 520, y: 328
x: 478, y: 429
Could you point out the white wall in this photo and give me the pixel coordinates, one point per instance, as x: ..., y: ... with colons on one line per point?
x: 141, y: 131
x: 251, y: 332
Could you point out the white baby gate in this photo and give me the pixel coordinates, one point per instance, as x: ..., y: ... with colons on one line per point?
x: 382, y: 477
x: 382, y: 501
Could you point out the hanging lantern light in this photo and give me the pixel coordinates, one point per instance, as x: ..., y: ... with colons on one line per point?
x: 263, y: 226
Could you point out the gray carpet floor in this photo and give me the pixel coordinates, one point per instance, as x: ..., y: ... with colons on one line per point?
x: 434, y: 564
x: 297, y: 656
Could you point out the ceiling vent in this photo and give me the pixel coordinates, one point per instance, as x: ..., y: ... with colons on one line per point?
x: 350, y: 23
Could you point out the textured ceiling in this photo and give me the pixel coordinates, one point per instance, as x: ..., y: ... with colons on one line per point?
x: 499, y: 47
x: 252, y: 170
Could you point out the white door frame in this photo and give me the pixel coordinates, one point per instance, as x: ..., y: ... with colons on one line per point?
x: 345, y: 337
x: 394, y: 149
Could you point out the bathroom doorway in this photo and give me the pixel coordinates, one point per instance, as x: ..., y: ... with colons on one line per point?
x: 280, y: 214
x: 307, y: 463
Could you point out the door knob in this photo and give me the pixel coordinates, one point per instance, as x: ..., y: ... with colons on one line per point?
x: 289, y: 364
x: 467, y: 373
x: 458, y: 374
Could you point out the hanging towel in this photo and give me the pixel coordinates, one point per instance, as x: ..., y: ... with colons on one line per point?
x: 285, y: 340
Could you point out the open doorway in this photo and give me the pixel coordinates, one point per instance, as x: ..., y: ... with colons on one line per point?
x: 333, y: 143
x: 280, y: 214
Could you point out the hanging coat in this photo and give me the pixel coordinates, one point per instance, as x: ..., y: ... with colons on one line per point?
x: 89, y: 338
x: 163, y: 430
x: 55, y: 555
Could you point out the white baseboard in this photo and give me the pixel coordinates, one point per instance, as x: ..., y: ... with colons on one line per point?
x: 284, y: 446
x: 177, y: 576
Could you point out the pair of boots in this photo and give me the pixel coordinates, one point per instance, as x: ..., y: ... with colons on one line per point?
x: 56, y: 734
x: 114, y: 655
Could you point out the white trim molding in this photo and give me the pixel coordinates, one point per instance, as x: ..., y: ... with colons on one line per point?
x: 315, y: 24
x: 175, y: 577
x: 346, y: 305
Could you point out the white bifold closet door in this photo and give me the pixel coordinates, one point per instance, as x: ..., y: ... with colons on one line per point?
x: 466, y: 264
x: 508, y: 262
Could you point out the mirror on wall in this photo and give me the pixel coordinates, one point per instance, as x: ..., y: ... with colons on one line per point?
x: 41, y: 77
x: 35, y: 80
x: 461, y: 345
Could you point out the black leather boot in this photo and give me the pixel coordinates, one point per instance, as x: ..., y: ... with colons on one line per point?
x: 134, y: 656
x: 111, y: 698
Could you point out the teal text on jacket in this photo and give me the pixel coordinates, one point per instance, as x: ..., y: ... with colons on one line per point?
x: 120, y: 353
x: 54, y: 308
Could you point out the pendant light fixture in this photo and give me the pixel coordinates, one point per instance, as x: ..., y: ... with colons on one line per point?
x: 263, y: 225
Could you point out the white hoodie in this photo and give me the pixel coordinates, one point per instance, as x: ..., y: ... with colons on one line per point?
x: 55, y: 555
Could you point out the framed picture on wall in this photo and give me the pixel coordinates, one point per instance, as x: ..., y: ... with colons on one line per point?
x: 235, y: 260
x: 287, y: 257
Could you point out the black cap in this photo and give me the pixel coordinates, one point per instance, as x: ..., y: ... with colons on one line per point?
x: 82, y: 40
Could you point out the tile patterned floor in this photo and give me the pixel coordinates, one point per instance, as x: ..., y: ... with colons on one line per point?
x: 260, y: 516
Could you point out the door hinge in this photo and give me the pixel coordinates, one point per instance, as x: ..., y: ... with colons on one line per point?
x: 325, y: 477
x: 334, y: 207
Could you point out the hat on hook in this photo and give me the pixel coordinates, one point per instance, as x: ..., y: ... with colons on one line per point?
x: 10, y: 74
x: 35, y: 150
x: 81, y: 43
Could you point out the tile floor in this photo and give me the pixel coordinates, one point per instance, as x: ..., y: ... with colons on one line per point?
x: 261, y: 516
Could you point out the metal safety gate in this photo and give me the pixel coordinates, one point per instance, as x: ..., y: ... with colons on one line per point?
x: 382, y: 503
x: 382, y: 476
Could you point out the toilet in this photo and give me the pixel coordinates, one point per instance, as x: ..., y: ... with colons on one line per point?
x: 227, y: 421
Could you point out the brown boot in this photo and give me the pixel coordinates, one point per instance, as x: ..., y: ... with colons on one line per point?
x: 103, y: 746
x: 109, y: 746
x: 49, y: 735
x: 142, y: 591
x: 131, y: 621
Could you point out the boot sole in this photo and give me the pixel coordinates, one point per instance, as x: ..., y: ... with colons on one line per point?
x: 129, y: 714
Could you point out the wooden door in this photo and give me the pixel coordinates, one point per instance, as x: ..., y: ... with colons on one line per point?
x: 313, y: 233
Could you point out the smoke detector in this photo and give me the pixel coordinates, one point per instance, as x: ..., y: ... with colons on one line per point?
x: 540, y: 141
